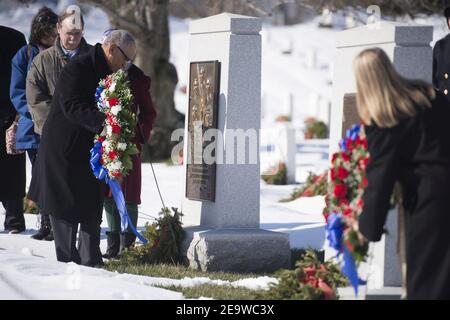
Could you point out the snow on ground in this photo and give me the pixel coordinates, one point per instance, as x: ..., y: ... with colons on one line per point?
x: 24, y: 276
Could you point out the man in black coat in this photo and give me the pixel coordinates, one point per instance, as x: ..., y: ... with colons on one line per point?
x: 12, y: 167
x: 64, y: 184
x: 441, y: 61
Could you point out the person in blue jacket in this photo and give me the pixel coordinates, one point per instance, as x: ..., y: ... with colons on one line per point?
x: 43, y: 35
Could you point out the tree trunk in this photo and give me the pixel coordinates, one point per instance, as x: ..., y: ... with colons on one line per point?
x: 147, y: 21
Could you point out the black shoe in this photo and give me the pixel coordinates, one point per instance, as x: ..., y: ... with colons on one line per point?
x: 126, y: 241
x: 50, y: 236
x: 113, y: 241
x: 44, y: 229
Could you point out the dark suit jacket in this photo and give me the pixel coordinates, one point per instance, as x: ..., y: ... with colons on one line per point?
x: 415, y: 153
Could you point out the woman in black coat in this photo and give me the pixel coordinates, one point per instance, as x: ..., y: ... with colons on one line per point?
x: 407, y: 127
x: 12, y: 167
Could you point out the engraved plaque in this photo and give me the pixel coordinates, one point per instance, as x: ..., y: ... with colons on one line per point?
x: 350, y: 116
x: 202, y: 115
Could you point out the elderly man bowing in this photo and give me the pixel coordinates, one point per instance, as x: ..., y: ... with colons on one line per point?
x: 65, y: 186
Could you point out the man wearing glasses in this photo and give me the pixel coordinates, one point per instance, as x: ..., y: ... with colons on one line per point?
x: 143, y: 107
x: 65, y: 185
x: 42, y: 78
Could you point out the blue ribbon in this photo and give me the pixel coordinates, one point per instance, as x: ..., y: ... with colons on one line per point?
x: 98, y: 93
x: 351, y: 134
x: 101, y: 173
x: 334, y: 235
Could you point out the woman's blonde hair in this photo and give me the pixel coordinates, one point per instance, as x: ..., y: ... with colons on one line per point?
x: 384, y: 97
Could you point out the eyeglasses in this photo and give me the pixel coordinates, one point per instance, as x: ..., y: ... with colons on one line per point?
x: 126, y: 57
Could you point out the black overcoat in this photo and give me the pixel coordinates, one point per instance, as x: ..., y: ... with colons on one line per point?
x: 63, y: 183
x: 415, y: 153
x: 12, y: 167
x: 441, y: 66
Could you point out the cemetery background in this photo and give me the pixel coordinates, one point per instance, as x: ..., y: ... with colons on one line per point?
x: 296, y: 81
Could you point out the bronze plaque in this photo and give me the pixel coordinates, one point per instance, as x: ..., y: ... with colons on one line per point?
x: 202, y: 115
x: 350, y: 115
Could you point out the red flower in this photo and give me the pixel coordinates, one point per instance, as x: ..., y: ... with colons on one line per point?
x: 366, y: 161
x: 109, y: 118
x: 116, y: 174
x: 343, y: 202
x: 334, y: 157
x: 360, y: 203
x: 113, y: 102
x: 115, y: 129
x: 101, y: 139
x: 333, y: 174
x: 348, y: 212
x: 350, y: 146
x: 307, y: 193
x: 108, y: 82
x: 365, y: 182
x: 112, y: 155
x: 340, y: 190
x: 345, y: 156
x: 342, y: 173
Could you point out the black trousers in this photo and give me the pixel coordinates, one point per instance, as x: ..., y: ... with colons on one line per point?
x: 88, y: 251
x: 14, y: 214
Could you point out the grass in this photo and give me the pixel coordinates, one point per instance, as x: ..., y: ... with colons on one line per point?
x: 176, y: 271
x: 215, y: 292
x: 219, y: 292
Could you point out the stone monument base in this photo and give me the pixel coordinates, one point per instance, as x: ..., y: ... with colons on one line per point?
x: 236, y: 250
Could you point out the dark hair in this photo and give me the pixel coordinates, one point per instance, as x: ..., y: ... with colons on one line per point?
x: 66, y: 14
x: 447, y: 12
x: 43, y: 25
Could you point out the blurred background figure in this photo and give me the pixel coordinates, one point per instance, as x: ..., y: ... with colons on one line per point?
x: 12, y: 167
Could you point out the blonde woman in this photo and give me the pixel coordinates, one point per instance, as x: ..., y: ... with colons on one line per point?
x: 408, y: 133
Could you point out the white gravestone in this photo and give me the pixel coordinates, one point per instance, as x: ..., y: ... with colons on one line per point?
x: 225, y: 234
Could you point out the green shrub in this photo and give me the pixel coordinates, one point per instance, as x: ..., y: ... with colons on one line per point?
x: 315, y: 185
x: 276, y: 175
x: 315, y: 129
x: 164, y: 235
x: 310, y: 280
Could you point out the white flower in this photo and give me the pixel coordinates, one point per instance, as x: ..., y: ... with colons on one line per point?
x: 106, y: 145
x: 116, y: 109
x: 103, y: 95
x: 115, y: 165
x: 122, y: 146
x: 109, y: 130
x: 112, y: 87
